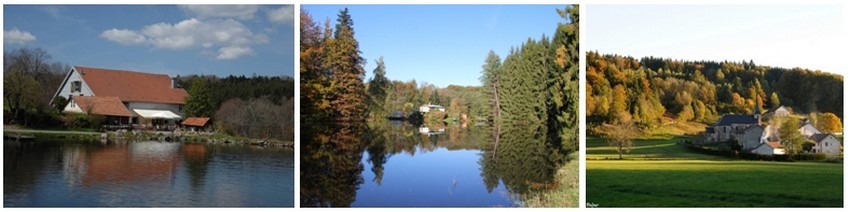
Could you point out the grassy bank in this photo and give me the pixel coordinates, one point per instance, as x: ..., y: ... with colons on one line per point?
x: 660, y: 173
x: 650, y: 149
x: 565, y: 194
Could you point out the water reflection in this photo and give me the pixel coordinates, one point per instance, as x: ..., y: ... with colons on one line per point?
x: 505, y: 163
x: 148, y: 173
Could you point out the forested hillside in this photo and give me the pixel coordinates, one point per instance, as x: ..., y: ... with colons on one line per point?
x: 647, y: 89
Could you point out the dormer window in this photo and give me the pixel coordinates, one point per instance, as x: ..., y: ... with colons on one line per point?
x: 76, y: 86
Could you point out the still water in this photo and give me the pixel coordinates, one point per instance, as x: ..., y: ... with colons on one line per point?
x: 145, y: 174
x: 393, y: 164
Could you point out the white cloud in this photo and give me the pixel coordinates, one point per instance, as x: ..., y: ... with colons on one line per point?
x: 123, y: 36
x: 233, y: 52
x: 231, y: 37
x: 17, y: 36
x: 243, y: 12
x: 282, y: 15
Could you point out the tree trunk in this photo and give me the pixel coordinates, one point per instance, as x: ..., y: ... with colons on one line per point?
x: 620, y: 150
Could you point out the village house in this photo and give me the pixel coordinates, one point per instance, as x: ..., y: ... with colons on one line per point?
x: 125, y: 97
x: 780, y: 111
x: 826, y: 144
x: 429, y: 107
x: 807, y: 129
x: 757, y: 137
x: 732, y: 126
x: 769, y: 148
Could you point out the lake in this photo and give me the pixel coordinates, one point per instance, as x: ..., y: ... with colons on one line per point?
x: 145, y: 174
x: 397, y: 165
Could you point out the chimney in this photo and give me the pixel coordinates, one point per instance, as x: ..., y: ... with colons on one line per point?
x: 173, y: 83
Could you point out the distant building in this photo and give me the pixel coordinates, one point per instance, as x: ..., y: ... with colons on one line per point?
x: 807, y: 129
x: 429, y: 107
x: 780, y: 111
x: 770, y: 148
x: 729, y: 127
x: 826, y: 144
x: 153, y: 100
x: 759, y: 138
x: 196, y: 123
x: 752, y: 137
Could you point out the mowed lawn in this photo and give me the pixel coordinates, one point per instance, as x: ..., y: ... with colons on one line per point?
x: 660, y: 173
x: 650, y: 149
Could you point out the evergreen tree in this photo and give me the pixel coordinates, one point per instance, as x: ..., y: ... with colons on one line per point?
x: 378, y: 87
x: 199, y: 102
x: 563, y: 90
x: 490, y: 72
x: 345, y: 64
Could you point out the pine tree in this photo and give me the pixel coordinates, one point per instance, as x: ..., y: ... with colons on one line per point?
x: 490, y: 72
x: 378, y: 86
x: 346, y: 67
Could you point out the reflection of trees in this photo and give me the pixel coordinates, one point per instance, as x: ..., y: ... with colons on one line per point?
x: 196, y: 158
x: 23, y: 163
x: 330, y: 163
x: 378, y: 154
x: 522, y: 159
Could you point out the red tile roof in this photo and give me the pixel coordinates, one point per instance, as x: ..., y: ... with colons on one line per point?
x: 774, y: 144
x: 131, y: 86
x: 196, y: 121
x: 109, y: 106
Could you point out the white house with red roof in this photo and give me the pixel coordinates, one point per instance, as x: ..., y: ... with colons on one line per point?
x: 151, y: 99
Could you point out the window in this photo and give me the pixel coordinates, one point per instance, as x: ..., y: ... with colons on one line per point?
x: 76, y: 86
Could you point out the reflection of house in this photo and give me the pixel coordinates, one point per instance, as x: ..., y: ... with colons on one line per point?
x: 429, y: 107
x: 196, y: 123
x: 152, y: 99
x: 427, y: 131
x: 135, y: 162
x: 826, y: 144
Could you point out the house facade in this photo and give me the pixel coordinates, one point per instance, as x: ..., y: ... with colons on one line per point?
x: 152, y: 100
x: 752, y: 137
x: 429, y: 107
x: 826, y: 144
x: 730, y: 127
x: 769, y: 148
x: 780, y: 111
x: 807, y: 129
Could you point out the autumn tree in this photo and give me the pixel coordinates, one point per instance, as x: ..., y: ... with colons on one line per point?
x: 620, y: 136
x: 619, y: 106
x: 829, y: 123
x: 314, y: 85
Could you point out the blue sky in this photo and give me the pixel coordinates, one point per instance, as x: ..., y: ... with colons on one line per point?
x: 440, y: 44
x: 807, y: 36
x: 196, y: 39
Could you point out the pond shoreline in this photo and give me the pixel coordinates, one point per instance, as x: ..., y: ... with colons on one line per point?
x: 124, y: 136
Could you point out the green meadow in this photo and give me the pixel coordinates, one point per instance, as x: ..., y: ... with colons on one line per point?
x: 659, y: 173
